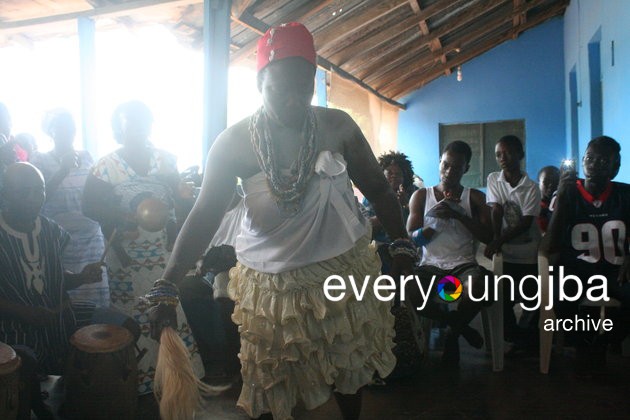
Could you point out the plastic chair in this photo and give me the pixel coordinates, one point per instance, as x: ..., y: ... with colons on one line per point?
x: 546, y: 337
x: 492, y: 319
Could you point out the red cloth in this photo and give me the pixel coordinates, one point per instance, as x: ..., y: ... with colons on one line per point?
x: 284, y: 41
x: 20, y: 153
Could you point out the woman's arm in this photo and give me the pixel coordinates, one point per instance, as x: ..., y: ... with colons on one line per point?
x: 368, y: 176
x: 217, y: 190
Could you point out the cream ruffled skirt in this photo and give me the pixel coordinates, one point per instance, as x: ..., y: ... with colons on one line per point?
x: 296, y: 344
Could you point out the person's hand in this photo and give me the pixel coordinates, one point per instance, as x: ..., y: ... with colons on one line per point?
x: 566, y: 184
x: 444, y: 211
x: 38, y: 316
x: 492, y: 248
x: 70, y: 161
x: 161, y: 316
x: 92, y: 273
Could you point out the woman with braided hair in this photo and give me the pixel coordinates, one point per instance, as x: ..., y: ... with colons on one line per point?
x: 301, y: 225
x: 398, y: 171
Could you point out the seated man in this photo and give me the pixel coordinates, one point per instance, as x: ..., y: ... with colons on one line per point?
x: 589, y: 229
x: 445, y: 220
x: 34, y: 306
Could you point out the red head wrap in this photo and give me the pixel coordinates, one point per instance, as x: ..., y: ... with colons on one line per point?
x: 284, y: 41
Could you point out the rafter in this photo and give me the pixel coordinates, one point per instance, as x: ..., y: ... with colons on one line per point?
x: 364, y: 47
x: 373, y: 70
x: 466, y: 38
x: 355, y: 20
x: 261, y: 27
x: 435, y: 44
x: 301, y: 14
x: 405, y: 39
x: 519, y: 18
x: 240, y: 6
x: 400, y: 87
x: 380, y: 48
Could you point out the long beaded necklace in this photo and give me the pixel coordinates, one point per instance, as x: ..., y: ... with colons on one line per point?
x: 287, y: 190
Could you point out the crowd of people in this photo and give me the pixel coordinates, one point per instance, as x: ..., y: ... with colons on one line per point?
x: 83, y: 240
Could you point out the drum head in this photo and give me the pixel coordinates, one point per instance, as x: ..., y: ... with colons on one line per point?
x: 101, y: 338
x: 9, y: 361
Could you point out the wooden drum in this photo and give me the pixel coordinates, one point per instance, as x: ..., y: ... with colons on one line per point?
x: 101, y: 374
x: 9, y: 382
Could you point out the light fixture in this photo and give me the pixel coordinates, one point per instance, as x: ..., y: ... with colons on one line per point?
x: 459, y: 74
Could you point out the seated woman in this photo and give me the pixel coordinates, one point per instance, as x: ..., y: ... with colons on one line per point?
x: 137, y: 175
x: 398, y: 171
x: 65, y: 171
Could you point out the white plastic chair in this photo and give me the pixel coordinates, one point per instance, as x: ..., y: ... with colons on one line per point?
x: 492, y: 319
x: 546, y: 337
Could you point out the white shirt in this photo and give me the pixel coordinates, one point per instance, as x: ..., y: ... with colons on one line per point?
x: 328, y: 224
x: 452, y: 244
x: 522, y: 200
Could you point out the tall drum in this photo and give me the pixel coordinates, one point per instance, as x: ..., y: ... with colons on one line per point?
x: 9, y: 382
x: 101, y: 374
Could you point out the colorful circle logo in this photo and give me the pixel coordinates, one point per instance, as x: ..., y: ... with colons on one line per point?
x: 449, y: 288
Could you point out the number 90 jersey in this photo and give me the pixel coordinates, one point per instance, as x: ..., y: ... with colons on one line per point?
x: 596, y: 235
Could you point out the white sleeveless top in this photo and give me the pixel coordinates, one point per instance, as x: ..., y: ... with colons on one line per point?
x: 328, y: 224
x: 452, y: 244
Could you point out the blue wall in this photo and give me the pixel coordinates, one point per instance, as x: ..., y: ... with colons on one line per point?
x: 519, y: 79
x: 603, y: 21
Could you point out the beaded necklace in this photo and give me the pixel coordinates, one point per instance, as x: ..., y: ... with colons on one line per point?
x: 287, y: 190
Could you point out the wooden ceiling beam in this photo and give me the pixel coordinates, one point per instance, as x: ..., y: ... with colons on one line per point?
x: 300, y: 15
x: 404, y: 86
x: 391, y: 62
x: 240, y: 6
x: 383, y: 27
x: 262, y: 9
x: 374, y: 71
x: 375, y: 75
x: 435, y: 44
x: 354, y: 20
x: 368, y: 46
x: 110, y: 11
x: 456, y: 45
x: 262, y: 27
x: 381, y: 53
x: 518, y: 18
x: 433, y: 9
x: 380, y: 48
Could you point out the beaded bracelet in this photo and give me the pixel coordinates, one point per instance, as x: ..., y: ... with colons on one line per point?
x: 403, y: 247
x: 162, y: 292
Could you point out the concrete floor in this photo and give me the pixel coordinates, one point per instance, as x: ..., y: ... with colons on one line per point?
x: 472, y: 392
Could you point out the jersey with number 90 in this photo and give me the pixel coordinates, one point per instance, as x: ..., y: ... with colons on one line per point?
x: 596, y: 234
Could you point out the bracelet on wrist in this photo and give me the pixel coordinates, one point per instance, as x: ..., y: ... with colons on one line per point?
x: 162, y: 292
